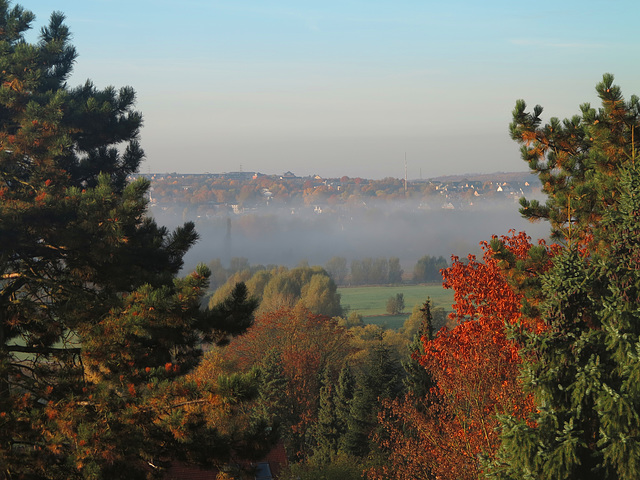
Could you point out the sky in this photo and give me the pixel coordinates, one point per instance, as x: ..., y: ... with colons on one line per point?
x: 346, y: 87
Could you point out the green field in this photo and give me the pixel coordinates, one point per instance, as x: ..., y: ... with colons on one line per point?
x: 372, y: 301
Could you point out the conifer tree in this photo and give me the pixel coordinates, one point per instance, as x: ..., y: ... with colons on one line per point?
x: 418, y: 381
x: 345, y: 390
x: 328, y: 429
x: 97, y: 333
x: 582, y: 366
x: 577, y: 159
x: 382, y: 380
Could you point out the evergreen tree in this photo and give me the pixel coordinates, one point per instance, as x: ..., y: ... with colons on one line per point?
x: 577, y: 159
x: 97, y: 333
x: 382, y: 380
x: 345, y: 390
x: 272, y: 400
x: 582, y: 366
x: 328, y: 428
x: 418, y: 382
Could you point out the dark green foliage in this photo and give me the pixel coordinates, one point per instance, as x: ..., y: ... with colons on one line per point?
x: 583, y: 368
x: 381, y: 380
x: 418, y: 381
x: 329, y: 428
x: 232, y: 316
x: 567, y: 358
x: 97, y: 333
x: 577, y: 159
x: 272, y: 400
x: 345, y: 390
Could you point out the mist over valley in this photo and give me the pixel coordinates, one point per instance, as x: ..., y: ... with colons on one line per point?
x: 442, y: 223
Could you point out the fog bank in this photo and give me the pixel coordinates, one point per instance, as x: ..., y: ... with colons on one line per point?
x: 287, y: 237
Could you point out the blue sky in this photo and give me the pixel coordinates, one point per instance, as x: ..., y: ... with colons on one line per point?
x: 347, y: 87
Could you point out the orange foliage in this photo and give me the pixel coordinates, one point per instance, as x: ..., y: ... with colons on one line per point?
x: 303, y: 344
x: 475, y: 369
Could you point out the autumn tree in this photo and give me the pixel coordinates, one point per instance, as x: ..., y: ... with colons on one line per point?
x: 473, y: 372
x: 97, y: 333
x: 310, y: 287
x: 304, y: 348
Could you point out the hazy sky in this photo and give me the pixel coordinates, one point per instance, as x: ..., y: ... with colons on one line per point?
x: 347, y: 87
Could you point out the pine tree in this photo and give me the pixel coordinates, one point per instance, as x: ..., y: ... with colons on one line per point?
x: 97, y: 334
x: 577, y: 159
x: 582, y: 366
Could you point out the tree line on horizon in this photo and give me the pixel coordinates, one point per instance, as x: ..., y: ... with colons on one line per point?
x: 365, y: 271
x: 114, y: 366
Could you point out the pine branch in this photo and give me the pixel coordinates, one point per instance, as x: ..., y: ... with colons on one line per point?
x: 43, y: 350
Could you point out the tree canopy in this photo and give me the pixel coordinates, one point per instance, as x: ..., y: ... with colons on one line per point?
x: 581, y: 367
x: 97, y: 332
x: 309, y: 287
x: 578, y: 159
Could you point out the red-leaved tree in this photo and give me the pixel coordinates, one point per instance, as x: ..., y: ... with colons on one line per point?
x: 292, y: 347
x: 474, y: 368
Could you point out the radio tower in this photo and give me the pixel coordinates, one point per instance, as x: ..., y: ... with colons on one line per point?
x: 405, y: 174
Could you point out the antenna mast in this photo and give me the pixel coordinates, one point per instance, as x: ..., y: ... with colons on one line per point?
x: 405, y: 174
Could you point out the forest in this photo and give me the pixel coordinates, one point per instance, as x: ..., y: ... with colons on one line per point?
x: 114, y: 363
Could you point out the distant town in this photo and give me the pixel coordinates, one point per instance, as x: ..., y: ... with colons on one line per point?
x: 212, y: 194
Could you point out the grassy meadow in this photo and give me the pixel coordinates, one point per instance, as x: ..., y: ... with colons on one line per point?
x: 371, y: 301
